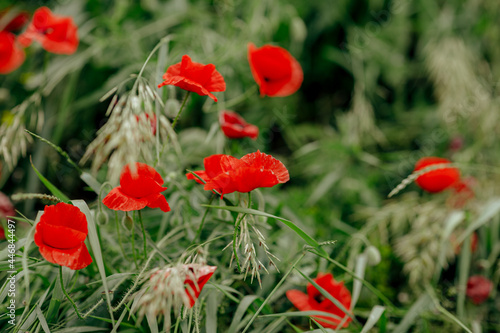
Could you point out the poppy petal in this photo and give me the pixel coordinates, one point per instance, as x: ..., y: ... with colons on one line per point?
x: 235, y: 127
x: 194, y: 77
x: 142, y: 182
x: 275, y: 70
x: 11, y: 55
x: 202, y: 174
x: 117, y: 200
x: 436, y: 180
x: 76, y: 258
x: 157, y: 200
x: 56, y: 34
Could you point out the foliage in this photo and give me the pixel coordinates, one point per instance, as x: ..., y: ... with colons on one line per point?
x: 385, y: 83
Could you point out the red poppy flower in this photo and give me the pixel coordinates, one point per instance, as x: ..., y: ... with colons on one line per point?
x: 315, y: 301
x: 227, y: 174
x: 138, y: 189
x: 478, y: 289
x: 60, y: 236
x: 11, y: 55
x: 57, y: 34
x: 275, y: 70
x: 436, y: 180
x: 235, y: 127
x: 17, y: 22
x: 195, y: 77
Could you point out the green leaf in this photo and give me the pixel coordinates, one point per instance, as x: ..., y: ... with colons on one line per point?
x: 54, y: 190
x: 96, y: 249
x: 491, y: 209
x: 240, y: 311
x: 373, y: 318
x: 309, y: 240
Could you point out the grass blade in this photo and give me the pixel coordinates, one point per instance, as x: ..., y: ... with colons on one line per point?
x: 309, y: 240
x: 54, y: 190
x: 96, y: 250
x: 373, y: 318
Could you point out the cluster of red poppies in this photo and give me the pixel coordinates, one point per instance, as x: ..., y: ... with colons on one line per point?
x: 56, y: 34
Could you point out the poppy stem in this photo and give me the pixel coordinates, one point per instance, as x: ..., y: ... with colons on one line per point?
x: 71, y: 300
x: 198, y: 233
x: 119, y: 235
x: 133, y: 241
x: 144, y: 236
x: 180, y: 110
x: 235, y: 236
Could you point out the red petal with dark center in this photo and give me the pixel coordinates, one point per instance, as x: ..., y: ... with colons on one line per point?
x: 56, y: 34
x: 275, y: 70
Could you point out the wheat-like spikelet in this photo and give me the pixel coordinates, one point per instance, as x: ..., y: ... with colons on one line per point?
x: 127, y: 136
x: 14, y: 140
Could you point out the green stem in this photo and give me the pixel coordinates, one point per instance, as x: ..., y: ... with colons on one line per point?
x: 272, y: 292
x: 71, y: 300
x: 144, y: 236
x: 367, y: 284
x: 180, y: 110
x: 198, y: 233
x: 117, y: 222
x: 235, y: 235
x: 133, y: 241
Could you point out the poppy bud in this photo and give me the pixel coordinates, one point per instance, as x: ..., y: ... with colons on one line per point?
x: 127, y: 222
x: 102, y: 218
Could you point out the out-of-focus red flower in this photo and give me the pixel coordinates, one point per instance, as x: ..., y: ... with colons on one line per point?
x: 17, y: 22
x: 56, y: 34
x: 462, y: 193
x: 436, y: 180
x: 478, y: 289
x: 6, y: 210
x: 315, y: 301
x: 275, y: 70
x: 138, y: 189
x: 195, y: 77
x: 227, y: 174
x: 60, y: 236
x: 235, y: 127
x: 11, y: 55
